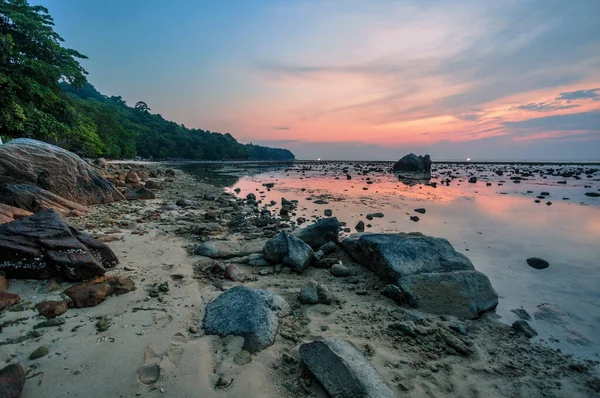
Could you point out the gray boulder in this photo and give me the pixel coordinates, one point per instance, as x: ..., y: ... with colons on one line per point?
x: 392, y: 256
x: 429, y: 272
x: 319, y: 233
x: 229, y: 248
x: 343, y: 370
x: 414, y: 163
x: 464, y: 294
x: 250, y: 313
x: 288, y: 250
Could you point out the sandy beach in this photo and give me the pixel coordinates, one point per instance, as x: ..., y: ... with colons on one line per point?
x: 150, y: 341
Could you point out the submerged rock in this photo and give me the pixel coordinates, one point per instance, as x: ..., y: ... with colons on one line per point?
x: 43, y: 245
x: 319, y: 233
x: 288, y: 250
x: 343, y: 370
x: 250, y: 313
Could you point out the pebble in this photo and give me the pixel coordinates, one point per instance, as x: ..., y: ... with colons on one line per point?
x: 39, y: 352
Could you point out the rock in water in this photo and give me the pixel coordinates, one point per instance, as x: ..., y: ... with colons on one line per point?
x: 414, y: 163
x: 250, y: 313
x: 428, y: 270
x: 44, y: 245
x: 35, y: 163
x: 288, y: 250
x: 343, y: 370
x: 524, y: 327
x: 12, y: 381
x: 537, y: 263
x: 321, y: 232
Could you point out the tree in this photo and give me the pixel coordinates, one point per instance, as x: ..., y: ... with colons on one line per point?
x: 142, y: 106
x: 32, y: 62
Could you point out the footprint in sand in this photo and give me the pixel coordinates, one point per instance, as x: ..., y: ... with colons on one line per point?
x: 150, y: 371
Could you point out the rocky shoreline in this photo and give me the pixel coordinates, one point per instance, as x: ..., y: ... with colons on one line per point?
x: 188, y: 245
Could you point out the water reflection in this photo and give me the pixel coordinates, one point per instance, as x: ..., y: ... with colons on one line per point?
x: 412, y: 179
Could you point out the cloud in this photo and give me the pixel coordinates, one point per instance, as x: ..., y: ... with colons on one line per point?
x: 574, y: 122
x: 580, y: 94
x: 543, y: 107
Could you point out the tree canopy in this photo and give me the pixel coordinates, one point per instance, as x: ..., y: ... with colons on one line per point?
x: 45, y: 95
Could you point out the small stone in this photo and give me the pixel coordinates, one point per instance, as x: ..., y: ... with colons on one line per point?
x: 340, y: 270
x: 523, y: 327
x: 39, y: 352
x: 360, y: 226
x: 103, y: 323
x: 353, y: 280
x: 242, y: 358
x: 52, y: 309
x: 164, y: 287
x: 421, y: 210
x: 8, y: 299
x: 50, y: 323
x: 537, y: 263
x: 193, y: 329
x: 328, y: 213
x: 414, y: 218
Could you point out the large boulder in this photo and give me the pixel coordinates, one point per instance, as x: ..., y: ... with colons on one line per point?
x: 288, y: 250
x: 43, y: 245
x: 319, y: 233
x: 430, y: 273
x: 36, y: 163
x: 414, y: 164
x: 35, y: 199
x: 250, y: 313
x: 343, y: 370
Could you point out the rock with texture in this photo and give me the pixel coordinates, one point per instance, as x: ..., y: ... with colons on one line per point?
x: 8, y: 299
x: 319, y: 233
x: 43, y: 245
x: 11, y: 213
x: 414, y: 163
x: 93, y: 292
x: 36, y: 163
x: 431, y: 274
x: 343, y: 370
x: 288, y: 250
x: 314, y: 293
x: 52, y: 309
x: 250, y: 313
x: 12, y: 381
x: 35, y: 199
x: 229, y: 248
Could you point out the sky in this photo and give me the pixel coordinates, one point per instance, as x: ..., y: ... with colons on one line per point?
x: 349, y: 79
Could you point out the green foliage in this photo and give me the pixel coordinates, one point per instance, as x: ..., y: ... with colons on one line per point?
x: 32, y: 61
x: 44, y: 95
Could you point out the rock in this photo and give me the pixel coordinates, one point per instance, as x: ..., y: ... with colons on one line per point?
x: 472, y: 180
x: 394, y: 292
x: 288, y: 250
x: 35, y: 199
x: 52, y: 309
x: 340, y: 270
x: 11, y: 213
x: 242, y: 358
x: 523, y: 327
x: 185, y: 202
x: 521, y: 313
x: 92, y: 293
x: 537, y: 263
x: 142, y: 193
x: 257, y: 260
x: 421, y: 210
x: 44, y: 245
x: 251, y: 196
x: 592, y: 194
x: 170, y: 172
x: 39, y: 352
x: 323, y: 231
x: 132, y: 178
x: 12, y: 381
x: 464, y: 294
x: 53, y: 169
x: 315, y: 293
x: 371, y: 216
x: 8, y: 299
x: 328, y: 248
x: 328, y: 213
x: 207, y: 228
x: 250, y: 313
x: 360, y: 226
x: 403, y: 328
x: 209, y: 196
x: 234, y: 274
x: 228, y: 249
x: 414, y: 218
x: 414, y: 163
x: 343, y: 370
x: 3, y: 283
x: 326, y: 262
x: 319, y: 255
x: 151, y: 184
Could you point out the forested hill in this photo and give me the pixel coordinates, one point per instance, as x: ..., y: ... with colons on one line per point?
x: 74, y: 115
x: 129, y: 131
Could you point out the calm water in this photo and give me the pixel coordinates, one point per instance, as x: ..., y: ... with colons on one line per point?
x: 496, y: 226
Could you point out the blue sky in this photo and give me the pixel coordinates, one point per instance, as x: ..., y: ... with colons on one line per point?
x: 507, y: 79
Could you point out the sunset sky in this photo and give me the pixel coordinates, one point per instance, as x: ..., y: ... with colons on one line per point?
x: 356, y: 79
